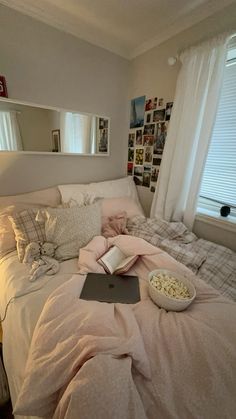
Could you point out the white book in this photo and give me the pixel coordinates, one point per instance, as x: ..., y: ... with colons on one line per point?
x: 114, y: 261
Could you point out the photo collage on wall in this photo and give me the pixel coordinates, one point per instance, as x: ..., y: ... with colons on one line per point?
x: 148, y: 129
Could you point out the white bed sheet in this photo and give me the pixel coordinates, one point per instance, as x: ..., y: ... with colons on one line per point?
x: 22, y: 313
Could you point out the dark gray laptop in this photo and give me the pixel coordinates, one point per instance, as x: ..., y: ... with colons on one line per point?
x: 111, y: 288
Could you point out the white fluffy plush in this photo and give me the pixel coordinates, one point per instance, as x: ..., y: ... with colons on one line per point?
x: 40, y: 256
x: 32, y: 252
x: 48, y: 249
x: 45, y: 265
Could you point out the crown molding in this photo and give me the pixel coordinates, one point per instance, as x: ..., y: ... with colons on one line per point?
x: 184, y: 22
x: 75, y: 26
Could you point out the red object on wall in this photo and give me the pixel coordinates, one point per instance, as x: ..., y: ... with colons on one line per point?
x: 3, y: 87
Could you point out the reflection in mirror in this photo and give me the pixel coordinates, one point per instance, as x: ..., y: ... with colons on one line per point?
x: 30, y: 128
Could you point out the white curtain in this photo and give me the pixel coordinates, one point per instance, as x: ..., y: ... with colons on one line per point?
x: 78, y: 133
x: 195, y: 105
x: 10, y: 138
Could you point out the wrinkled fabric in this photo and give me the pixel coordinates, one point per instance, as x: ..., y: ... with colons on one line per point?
x: 160, y: 364
x: 213, y: 263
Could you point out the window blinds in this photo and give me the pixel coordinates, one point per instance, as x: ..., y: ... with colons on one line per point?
x: 219, y: 177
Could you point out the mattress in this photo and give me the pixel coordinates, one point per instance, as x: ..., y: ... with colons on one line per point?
x: 21, y: 303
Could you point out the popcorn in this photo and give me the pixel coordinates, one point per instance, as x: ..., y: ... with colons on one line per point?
x: 170, y: 286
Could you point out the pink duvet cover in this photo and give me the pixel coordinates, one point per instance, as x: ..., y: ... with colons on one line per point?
x: 115, y: 361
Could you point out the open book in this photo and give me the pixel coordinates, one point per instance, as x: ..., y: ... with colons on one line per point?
x: 115, y: 261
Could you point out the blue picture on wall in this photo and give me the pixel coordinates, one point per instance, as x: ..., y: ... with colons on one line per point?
x: 137, y: 112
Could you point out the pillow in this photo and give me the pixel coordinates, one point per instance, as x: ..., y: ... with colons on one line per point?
x: 27, y: 230
x: 113, y: 206
x: 15, y: 203
x: 112, y: 226
x: 7, y: 236
x: 46, y: 197
x: 71, y: 228
x: 108, y: 189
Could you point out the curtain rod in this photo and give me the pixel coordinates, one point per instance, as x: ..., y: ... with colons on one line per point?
x: 231, y: 39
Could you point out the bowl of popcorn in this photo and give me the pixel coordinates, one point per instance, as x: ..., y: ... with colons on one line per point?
x: 170, y: 290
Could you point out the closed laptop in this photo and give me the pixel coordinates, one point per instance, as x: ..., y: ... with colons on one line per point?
x: 111, y: 288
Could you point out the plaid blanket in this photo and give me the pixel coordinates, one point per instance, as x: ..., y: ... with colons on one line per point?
x: 213, y: 263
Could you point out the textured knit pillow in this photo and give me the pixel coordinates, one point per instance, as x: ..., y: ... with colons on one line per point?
x: 27, y: 230
x: 71, y: 228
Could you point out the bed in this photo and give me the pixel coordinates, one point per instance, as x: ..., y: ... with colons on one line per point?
x: 148, y: 350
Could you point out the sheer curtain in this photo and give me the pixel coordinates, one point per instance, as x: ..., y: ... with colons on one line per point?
x: 195, y: 105
x: 10, y: 138
x: 78, y: 133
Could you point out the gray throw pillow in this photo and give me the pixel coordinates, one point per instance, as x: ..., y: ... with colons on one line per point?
x: 71, y: 228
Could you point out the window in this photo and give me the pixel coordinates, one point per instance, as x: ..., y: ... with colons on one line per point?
x: 218, y: 186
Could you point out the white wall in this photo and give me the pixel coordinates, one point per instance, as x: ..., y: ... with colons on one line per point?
x: 152, y: 76
x: 48, y: 67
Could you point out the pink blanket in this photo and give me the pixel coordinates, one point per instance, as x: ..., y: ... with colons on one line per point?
x: 115, y: 361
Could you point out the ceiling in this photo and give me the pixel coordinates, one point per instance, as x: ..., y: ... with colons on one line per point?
x: 125, y: 27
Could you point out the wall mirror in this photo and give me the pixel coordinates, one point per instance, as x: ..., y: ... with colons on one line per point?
x: 26, y: 127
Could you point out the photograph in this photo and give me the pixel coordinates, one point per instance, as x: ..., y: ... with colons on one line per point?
x: 138, y: 180
x: 105, y: 122
x: 56, y: 143
x: 103, y: 140
x: 148, y: 154
x: 130, y: 154
x: 138, y: 170
x: 101, y: 123
x: 3, y: 87
x: 149, y: 129
x: 147, y: 168
x: 139, y: 137
x: 160, y: 138
x: 146, y: 179
x: 151, y: 104
x: 137, y: 112
x: 169, y: 107
x: 156, y: 162
x: 159, y: 115
x: 161, y: 102
x: 131, y: 140
x: 152, y: 189
x: 139, y: 156
x: 148, y: 139
x: 148, y: 118
x: 154, y: 174
x: 130, y: 168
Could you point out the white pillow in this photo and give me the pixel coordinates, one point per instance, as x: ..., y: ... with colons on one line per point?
x: 114, y: 206
x: 107, y: 189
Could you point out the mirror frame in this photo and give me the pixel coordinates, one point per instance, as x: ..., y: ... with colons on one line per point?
x: 52, y: 108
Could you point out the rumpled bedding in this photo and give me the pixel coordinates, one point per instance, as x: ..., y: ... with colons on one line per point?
x: 213, y: 263
x: 115, y: 361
